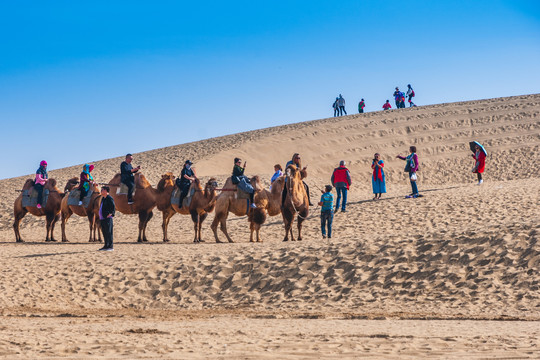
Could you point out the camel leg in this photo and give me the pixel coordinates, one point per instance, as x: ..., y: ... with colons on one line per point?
x: 142, y: 218
x: 16, y: 224
x: 201, y: 219
x: 223, y: 228
x: 49, y: 218
x: 259, y: 234
x: 167, y: 215
x: 143, y: 223
x: 97, y: 228
x: 65, y: 216
x: 217, y: 220
x: 91, y: 223
x: 300, y: 220
x: 252, y: 230
x: 195, y: 219
x: 287, y: 220
x: 53, y: 223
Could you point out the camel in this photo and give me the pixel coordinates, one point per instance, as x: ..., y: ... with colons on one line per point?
x: 296, y: 201
x: 51, y: 210
x: 228, y: 202
x: 271, y: 202
x: 202, y: 203
x: 92, y: 211
x: 144, y: 200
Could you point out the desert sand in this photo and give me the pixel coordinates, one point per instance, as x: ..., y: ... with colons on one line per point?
x: 454, y: 274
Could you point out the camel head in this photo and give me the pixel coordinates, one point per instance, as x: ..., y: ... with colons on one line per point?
x: 211, y: 185
x: 167, y: 180
x: 256, y: 183
x: 70, y: 185
x: 292, y: 171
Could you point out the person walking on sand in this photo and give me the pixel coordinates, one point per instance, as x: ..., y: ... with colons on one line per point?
x: 327, y: 213
x: 387, y: 105
x: 187, y: 175
x: 106, y: 214
x: 480, y: 163
x: 410, y: 95
x: 84, y: 182
x: 378, y: 180
x: 341, y: 179
x: 341, y: 103
x: 39, y: 183
x: 361, y: 106
x: 127, y: 177
x: 399, y: 98
x: 335, y: 105
x: 411, y: 167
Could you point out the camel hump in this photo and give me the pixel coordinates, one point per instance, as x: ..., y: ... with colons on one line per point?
x: 229, y: 184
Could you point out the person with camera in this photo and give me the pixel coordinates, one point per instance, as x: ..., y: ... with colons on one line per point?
x: 411, y: 167
x: 127, y: 172
x: 239, y: 179
x: 378, y: 180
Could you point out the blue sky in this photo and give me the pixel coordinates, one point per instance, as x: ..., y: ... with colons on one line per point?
x: 106, y: 78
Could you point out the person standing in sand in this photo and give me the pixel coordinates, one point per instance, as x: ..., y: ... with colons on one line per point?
x: 106, y: 214
x: 336, y: 107
x: 127, y: 177
x: 387, y: 105
x: 480, y: 163
x: 411, y: 167
x: 341, y: 103
x: 361, y: 106
x: 327, y: 213
x: 378, y: 180
x: 341, y: 179
x: 410, y: 95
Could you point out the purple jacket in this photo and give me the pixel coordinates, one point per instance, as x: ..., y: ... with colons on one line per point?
x: 414, y: 161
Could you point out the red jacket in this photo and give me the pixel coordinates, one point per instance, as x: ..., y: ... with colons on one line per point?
x: 480, y: 164
x: 341, y: 177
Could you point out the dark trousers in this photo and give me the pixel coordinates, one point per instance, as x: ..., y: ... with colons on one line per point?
x: 107, y: 229
x: 130, y: 185
x: 327, y: 216
x: 336, y: 111
x: 360, y: 111
x: 479, y: 175
x: 414, y: 186
x: 83, y: 193
x: 342, y: 110
x: 184, y: 188
x: 39, y: 189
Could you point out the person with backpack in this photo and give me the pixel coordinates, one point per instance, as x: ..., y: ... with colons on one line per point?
x: 361, y: 106
x: 411, y: 167
x: 327, y: 213
x: 336, y: 107
x: 341, y: 103
x: 410, y: 95
x: 387, y: 105
x: 397, y: 97
x: 341, y: 179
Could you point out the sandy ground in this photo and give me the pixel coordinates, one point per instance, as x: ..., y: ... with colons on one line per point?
x: 453, y: 274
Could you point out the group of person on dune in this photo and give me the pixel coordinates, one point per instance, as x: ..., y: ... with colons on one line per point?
x: 340, y: 179
x: 399, y: 97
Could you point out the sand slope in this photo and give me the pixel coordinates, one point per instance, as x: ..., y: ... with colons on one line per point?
x: 462, y: 252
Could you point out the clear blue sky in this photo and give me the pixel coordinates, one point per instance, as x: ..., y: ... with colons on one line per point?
x: 83, y: 81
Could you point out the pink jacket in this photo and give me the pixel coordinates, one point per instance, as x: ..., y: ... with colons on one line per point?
x: 40, y: 179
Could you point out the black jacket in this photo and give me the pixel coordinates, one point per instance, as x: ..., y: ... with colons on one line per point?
x: 237, y: 174
x: 107, y: 206
x: 125, y: 171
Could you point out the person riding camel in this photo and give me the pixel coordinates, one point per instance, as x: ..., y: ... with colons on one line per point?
x: 238, y: 178
x: 187, y: 175
x: 127, y: 177
x: 295, y: 161
x: 41, y: 179
x: 85, y: 180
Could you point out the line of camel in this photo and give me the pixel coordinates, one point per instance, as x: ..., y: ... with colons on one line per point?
x: 204, y: 201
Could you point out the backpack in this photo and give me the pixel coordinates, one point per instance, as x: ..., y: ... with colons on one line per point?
x: 412, y: 94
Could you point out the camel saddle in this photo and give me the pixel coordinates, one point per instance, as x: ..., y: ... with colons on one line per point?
x: 123, y: 189
x: 175, y: 197
x: 74, y: 195
x: 29, y: 197
x: 240, y: 194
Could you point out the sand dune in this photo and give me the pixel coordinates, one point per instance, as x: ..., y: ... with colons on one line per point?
x: 394, y: 269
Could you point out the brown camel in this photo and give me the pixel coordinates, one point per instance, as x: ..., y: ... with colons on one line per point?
x: 202, y: 203
x: 296, y: 201
x: 144, y: 201
x: 271, y: 202
x: 91, y: 212
x: 51, y: 210
x: 227, y: 201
